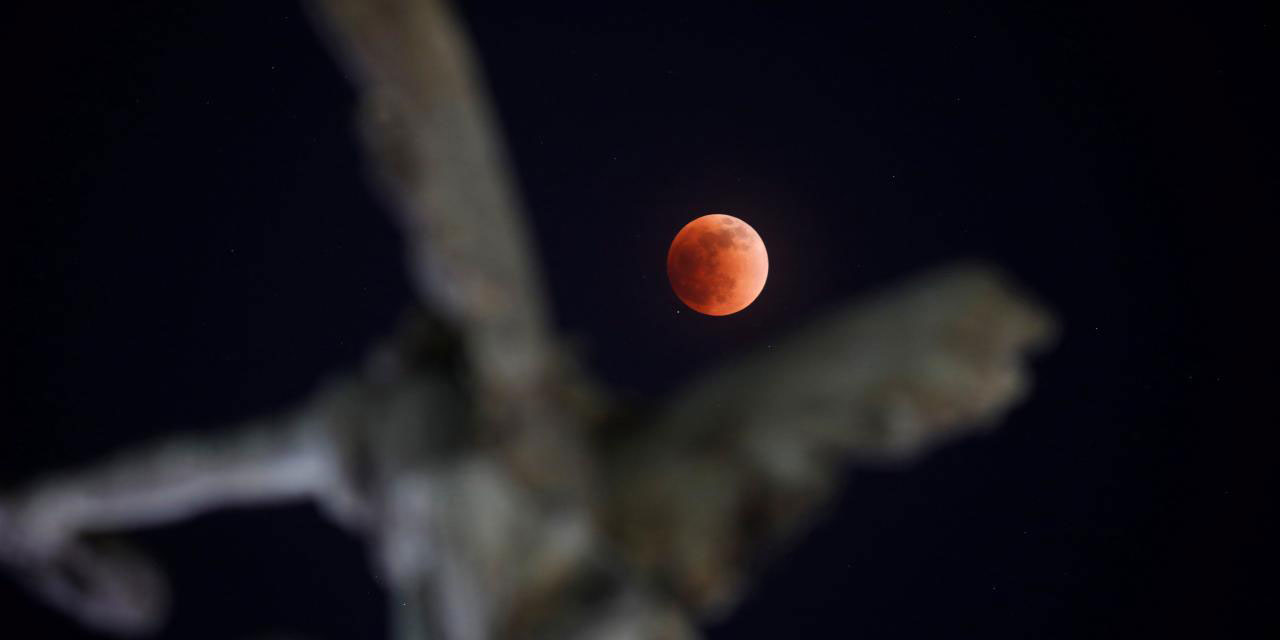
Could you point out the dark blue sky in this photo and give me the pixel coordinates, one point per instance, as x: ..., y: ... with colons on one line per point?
x: 194, y: 243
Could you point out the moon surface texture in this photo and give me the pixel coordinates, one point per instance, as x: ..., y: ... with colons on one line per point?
x: 717, y: 264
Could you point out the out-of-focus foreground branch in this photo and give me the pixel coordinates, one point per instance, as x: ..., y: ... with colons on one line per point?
x: 497, y: 496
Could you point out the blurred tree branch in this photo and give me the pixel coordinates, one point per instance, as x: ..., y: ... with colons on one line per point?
x: 496, y: 495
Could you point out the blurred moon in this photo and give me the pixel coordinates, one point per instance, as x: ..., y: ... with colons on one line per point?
x: 717, y: 264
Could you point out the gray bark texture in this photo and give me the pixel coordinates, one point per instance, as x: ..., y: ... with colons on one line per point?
x: 498, y: 488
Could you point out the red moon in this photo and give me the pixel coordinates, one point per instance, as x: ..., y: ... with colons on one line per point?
x: 717, y: 265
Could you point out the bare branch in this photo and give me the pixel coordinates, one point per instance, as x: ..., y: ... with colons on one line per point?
x: 744, y: 456
x: 264, y: 461
x: 106, y: 586
x: 43, y: 527
x: 436, y: 152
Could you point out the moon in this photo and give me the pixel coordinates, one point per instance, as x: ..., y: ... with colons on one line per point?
x: 717, y: 264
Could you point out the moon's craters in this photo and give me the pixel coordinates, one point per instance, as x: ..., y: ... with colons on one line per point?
x: 717, y: 264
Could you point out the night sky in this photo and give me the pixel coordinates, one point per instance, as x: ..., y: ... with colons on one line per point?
x: 193, y: 243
